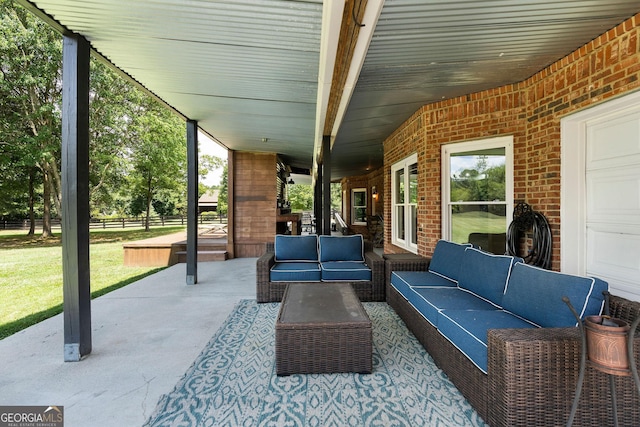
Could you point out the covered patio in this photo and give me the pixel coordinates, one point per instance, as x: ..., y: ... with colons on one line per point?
x: 146, y: 336
x: 346, y: 91
x: 150, y: 334
x: 361, y: 92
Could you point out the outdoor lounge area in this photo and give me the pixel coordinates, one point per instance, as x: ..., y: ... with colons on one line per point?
x: 149, y: 337
x: 155, y: 337
x: 508, y: 130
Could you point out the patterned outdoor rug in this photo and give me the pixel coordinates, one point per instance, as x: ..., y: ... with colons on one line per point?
x: 233, y: 382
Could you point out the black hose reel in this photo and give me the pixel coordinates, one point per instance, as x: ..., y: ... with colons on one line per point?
x: 527, y: 220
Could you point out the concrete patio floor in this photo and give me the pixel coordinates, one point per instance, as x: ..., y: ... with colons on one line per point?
x: 145, y: 336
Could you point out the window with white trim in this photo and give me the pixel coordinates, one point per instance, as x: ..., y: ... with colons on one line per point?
x: 477, y: 191
x: 404, y: 204
x: 359, y: 206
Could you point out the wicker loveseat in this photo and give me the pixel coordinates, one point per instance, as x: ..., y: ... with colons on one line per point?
x: 521, y: 372
x: 312, y: 258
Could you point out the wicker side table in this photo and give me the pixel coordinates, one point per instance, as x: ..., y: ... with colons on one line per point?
x: 322, y: 328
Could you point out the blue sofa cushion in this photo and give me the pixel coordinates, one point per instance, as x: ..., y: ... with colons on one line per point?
x: 467, y: 330
x: 536, y: 294
x: 342, y: 248
x: 485, y: 274
x: 295, y: 272
x: 296, y: 248
x: 431, y: 301
x: 446, y: 259
x: 345, y: 271
x: 404, y: 280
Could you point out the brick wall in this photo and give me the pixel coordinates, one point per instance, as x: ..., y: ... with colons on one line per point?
x: 375, y: 178
x: 531, y: 110
x: 254, y: 196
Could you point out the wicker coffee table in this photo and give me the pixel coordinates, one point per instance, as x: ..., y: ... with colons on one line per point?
x: 322, y: 328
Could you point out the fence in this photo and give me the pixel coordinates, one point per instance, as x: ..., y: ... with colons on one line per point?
x: 105, y: 223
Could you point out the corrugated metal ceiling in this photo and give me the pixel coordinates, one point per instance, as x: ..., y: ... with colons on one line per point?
x: 248, y: 70
x: 425, y: 51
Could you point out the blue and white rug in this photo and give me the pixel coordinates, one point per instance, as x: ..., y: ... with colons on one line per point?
x: 233, y: 382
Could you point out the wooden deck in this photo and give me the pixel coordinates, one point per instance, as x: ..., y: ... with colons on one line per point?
x: 172, y: 249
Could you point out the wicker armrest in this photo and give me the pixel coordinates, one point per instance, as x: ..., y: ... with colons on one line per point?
x: 376, y: 264
x: 524, y: 363
x: 624, y: 309
x: 404, y: 262
x: 263, y: 270
x: 532, y: 376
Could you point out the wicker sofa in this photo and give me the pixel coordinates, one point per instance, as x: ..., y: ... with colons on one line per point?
x: 528, y: 373
x: 313, y: 259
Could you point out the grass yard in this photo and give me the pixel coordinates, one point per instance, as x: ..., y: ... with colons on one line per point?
x: 31, y: 272
x: 466, y: 223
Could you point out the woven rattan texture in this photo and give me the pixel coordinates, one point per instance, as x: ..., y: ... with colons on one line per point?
x: 532, y: 373
x: 326, y: 345
x: 267, y: 291
x: 471, y: 382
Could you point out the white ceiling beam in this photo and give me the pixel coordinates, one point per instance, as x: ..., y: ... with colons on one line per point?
x: 332, y: 11
x: 370, y: 20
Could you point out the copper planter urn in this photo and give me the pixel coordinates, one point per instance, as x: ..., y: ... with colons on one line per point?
x: 607, y: 344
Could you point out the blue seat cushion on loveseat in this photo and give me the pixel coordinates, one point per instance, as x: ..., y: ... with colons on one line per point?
x: 431, y: 301
x: 341, y: 271
x: 296, y: 248
x: 341, y: 248
x: 404, y: 280
x: 536, y: 294
x: 295, y: 272
x: 446, y: 259
x: 467, y: 330
x: 485, y: 274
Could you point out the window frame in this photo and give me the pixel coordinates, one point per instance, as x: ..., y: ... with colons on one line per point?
x: 447, y: 150
x: 409, y: 226
x: 354, y: 207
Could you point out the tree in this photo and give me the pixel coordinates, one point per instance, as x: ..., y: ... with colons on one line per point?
x: 130, y: 134
x: 207, y: 163
x: 30, y: 86
x: 301, y: 197
x: 223, y: 196
x: 481, y: 183
x: 113, y: 103
x: 158, y: 153
x: 336, y: 196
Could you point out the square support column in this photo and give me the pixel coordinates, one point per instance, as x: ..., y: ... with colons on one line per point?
x: 75, y: 198
x: 317, y: 201
x: 326, y: 184
x: 192, y: 202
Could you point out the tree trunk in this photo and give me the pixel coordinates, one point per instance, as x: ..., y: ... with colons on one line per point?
x: 56, y: 185
x: 46, y: 202
x: 149, y: 194
x: 32, y: 202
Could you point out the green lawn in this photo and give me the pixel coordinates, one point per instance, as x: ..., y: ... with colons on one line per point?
x: 31, y: 272
x: 466, y: 223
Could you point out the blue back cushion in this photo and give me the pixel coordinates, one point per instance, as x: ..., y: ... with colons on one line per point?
x: 296, y: 248
x: 342, y: 248
x: 485, y: 274
x: 536, y: 294
x: 446, y: 259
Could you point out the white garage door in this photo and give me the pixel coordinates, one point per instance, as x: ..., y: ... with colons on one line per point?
x: 600, y: 194
x: 612, y: 211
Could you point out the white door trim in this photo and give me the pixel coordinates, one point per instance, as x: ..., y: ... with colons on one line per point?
x: 572, y: 180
